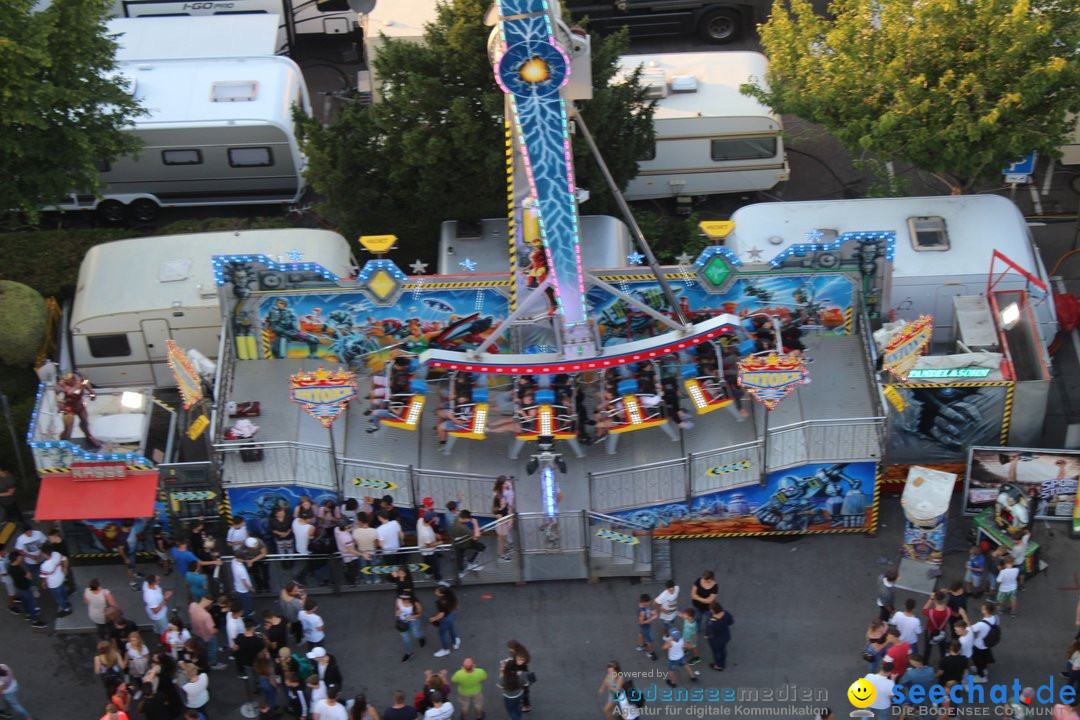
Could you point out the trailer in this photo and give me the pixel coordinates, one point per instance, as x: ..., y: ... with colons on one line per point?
x: 133, y: 295
x: 710, y: 138
x: 219, y: 128
x: 944, y: 248
x: 293, y: 19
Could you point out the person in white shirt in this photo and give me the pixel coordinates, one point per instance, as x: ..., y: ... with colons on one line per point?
x: 196, y: 689
x: 29, y: 544
x: 428, y: 540
x: 440, y: 709
x: 242, y: 587
x: 329, y: 708
x: 53, y: 573
x: 883, y: 687
x: 157, y: 604
x: 366, y: 538
x: 667, y: 603
x: 981, y: 655
x: 346, y: 545
x: 966, y: 638
x: 1020, y: 547
x: 908, y: 625
x: 389, y: 536
x: 234, y: 623
x: 676, y: 657
x: 1008, y: 583
x: 237, y: 534
x: 303, y: 530
x: 312, y: 624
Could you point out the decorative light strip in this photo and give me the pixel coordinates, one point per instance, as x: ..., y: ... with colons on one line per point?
x: 480, y: 413
x: 220, y: 261
x: 802, y: 249
x: 545, y: 417
x: 416, y: 406
x: 693, y: 389
x: 633, y: 409
x: 76, y: 450
x: 373, y: 266
x: 714, y: 250
x: 547, y: 480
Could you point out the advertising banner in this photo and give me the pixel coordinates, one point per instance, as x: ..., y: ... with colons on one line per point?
x: 1048, y: 476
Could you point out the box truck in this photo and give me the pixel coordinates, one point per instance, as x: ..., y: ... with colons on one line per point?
x: 710, y: 138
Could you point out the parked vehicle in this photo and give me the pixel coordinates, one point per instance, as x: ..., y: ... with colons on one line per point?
x: 710, y: 138
x: 714, y: 22
x: 220, y: 129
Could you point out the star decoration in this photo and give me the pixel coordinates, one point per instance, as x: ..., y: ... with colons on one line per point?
x: 635, y: 258
x: 295, y: 256
x: 815, y: 236
x: 468, y: 264
x: 683, y: 259
x: 754, y: 253
x: 418, y: 268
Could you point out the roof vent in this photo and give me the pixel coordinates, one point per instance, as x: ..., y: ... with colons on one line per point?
x: 234, y: 91
x: 683, y: 84
x: 174, y: 271
x: 652, y: 78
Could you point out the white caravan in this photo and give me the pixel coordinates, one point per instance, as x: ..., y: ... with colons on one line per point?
x: 710, y: 138
x: 220, y: 129
x: 133, y: 295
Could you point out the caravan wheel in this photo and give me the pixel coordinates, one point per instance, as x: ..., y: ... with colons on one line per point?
x: 144, y: 211
x: 111, y: 212
x: 719, y: 26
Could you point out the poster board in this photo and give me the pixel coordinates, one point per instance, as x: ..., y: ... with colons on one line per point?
x: 933, y: 423
x: 1049, y: 476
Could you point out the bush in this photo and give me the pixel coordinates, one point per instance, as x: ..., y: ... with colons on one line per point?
x: 22, y: 324
x: 49, y: 260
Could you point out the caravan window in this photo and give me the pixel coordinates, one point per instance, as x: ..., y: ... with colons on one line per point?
x: 250, y: 157
x: 743, y: 148
x: 103, y: 346
x: 181, y: 157
x: 332, y: 5
x: 648, y: 154
x: 928, y: 233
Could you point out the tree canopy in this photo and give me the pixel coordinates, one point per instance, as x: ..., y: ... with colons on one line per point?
x: 433, y: 149
x: 959, y: 88
x: 63, y: 107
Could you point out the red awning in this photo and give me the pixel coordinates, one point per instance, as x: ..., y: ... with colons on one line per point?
x: 62, y: 498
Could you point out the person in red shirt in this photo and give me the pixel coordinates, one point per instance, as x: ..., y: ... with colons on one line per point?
x: 938, y: 617
x: 898, y: 652
x: 114, y: 713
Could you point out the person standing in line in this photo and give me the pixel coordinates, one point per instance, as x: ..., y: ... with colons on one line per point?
x: 253, y: 554
x: 59, y: 544
x: 399, y: 710
x: 667, y: 603
x: 718, y: 632
x: 974, y: 570
x: 1008, y: 584
x: 965, y: 638
x: 9, y: 587
x: 204, y: 628
x: 646, y: 616
x: 29, y: 544
x: 908, y: 625
x: 445, y: 617
x: 676, y: 657
x: 390, y: 536
x: 296, y: 699
x: 246, y: 647
x: 98, y: 600
x: 157, y: 603
x: 138, y: 657
x: 407, y: 614
x: 981, y: 654
x: 53, y: 572
x: 120, y: 628
x: 314, y: 631
x: 502, y: 507
x: 326, y: 667
x: 126, y: 541
x: 519, y: 662
x: 329, y: 708
x: 886, y: 594
x: 938, y: 616
x: 291, y: 601
x: 281, y: 532
x: 512, y: 686
x: 242, y: 587
x: 469, y: 680
x: 953, y: 666
x: 346, y: 547
x: 275, y: 631
x: 303, y: 530
x: 176, y: 637
x: 465, y: 534
x: 702, y: 595
x: 237, y: 534
x: 196, y: 689
x: 24, y: 588
x: 366, y: 538
x: 8, y: 689
x: 898, y: 652
x: 428, y: 539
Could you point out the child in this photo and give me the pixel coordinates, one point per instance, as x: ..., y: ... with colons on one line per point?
x: 689, y: 634
x: 646, y: 616
x: 676, y: 657
x: 974, y: 570
x: 1008, y: 583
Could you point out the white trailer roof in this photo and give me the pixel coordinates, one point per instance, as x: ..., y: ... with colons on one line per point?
x: 718, y: 74
x: 976, y: 226
x: 400, y: 18
x: 183, y: 91
x: 193, y: 37
x: 125, y: 276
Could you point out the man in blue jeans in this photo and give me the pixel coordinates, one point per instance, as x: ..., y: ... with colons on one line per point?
x: 24, y: 588
x: 8, y: 686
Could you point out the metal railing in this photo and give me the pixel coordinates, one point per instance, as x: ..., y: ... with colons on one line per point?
x: 277, y: 463
x: 364, y: 478
x: 469, y: 490
x: 617, y: 547
x: 223, y: 379
x: 725, y: 468
x: 650, y: 484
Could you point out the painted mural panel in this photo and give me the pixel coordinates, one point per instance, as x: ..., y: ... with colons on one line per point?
x: 817, y: 301
x: 938, y: 423
x: 348, y: 328
x: 828, y: 497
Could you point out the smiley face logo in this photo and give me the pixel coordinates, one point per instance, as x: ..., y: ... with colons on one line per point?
x: 861, y: 693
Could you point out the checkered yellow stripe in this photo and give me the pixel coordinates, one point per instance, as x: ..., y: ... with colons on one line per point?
x: 224, y: 508
x: 65, y: 471
x: 650, y: 276
x: 991, y: 383
x: 472, y: 284
x: 509, y: 133
x: 1006, y: 416
x: 768, y: 533
x: 849, y: 316
x: 267, y: 342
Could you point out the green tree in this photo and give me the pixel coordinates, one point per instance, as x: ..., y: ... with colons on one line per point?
x: 433, y: 148
x: 22, y: 327
x: 959, y: 88
x: 63, y: 108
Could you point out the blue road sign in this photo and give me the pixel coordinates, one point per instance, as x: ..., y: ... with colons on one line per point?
x: 1023, y: 166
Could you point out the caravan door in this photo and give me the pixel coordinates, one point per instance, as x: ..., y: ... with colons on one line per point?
x: 155, y: 333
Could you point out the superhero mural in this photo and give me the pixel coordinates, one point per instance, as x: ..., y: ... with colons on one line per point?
x: 812, y: 301
x: 348, y: 328
x: 939, y: 423
x: 93, y: 537
x: 824, y: 497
